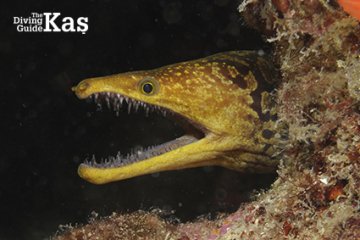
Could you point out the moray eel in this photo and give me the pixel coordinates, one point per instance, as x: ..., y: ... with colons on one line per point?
x: 222, y: 101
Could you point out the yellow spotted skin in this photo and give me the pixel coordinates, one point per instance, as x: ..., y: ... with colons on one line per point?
x: 226, y: 95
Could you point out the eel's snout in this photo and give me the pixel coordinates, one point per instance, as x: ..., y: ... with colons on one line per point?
x: 81, y: 89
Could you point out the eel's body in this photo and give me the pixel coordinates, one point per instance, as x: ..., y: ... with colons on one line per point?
x: 223, y: 98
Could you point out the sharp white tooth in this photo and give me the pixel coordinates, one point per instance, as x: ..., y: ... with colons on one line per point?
x: 98, y: 106
x: 93, y: 161
x: 129, y: 107
x: 118, y: 97
x: 137, y: 106
x: 108, y: 94
x: 96, y: 96
x: 117, y: 108
x: 108, y: 102
x: 115, y: 104
x: 147, y: 111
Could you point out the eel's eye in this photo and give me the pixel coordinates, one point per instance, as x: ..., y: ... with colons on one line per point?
x: 148, y: 86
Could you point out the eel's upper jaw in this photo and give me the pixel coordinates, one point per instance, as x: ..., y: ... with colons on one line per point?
x: 175, y: 154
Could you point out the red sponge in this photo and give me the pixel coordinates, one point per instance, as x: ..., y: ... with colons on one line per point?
x: 352, y: 7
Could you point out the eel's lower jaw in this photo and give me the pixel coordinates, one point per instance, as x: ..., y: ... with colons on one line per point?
x: 142, y: 154
x: 93, y: 170
x: 180, y: 158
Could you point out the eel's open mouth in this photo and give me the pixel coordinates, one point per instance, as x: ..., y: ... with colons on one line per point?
x: 115, y: 102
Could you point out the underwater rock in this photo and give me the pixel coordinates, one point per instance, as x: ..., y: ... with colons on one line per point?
x: 138, y: 225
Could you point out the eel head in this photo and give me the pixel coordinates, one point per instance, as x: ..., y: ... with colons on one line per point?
x: 219, y: 101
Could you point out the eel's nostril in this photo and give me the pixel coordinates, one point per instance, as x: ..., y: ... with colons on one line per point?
x: 81, y: 87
